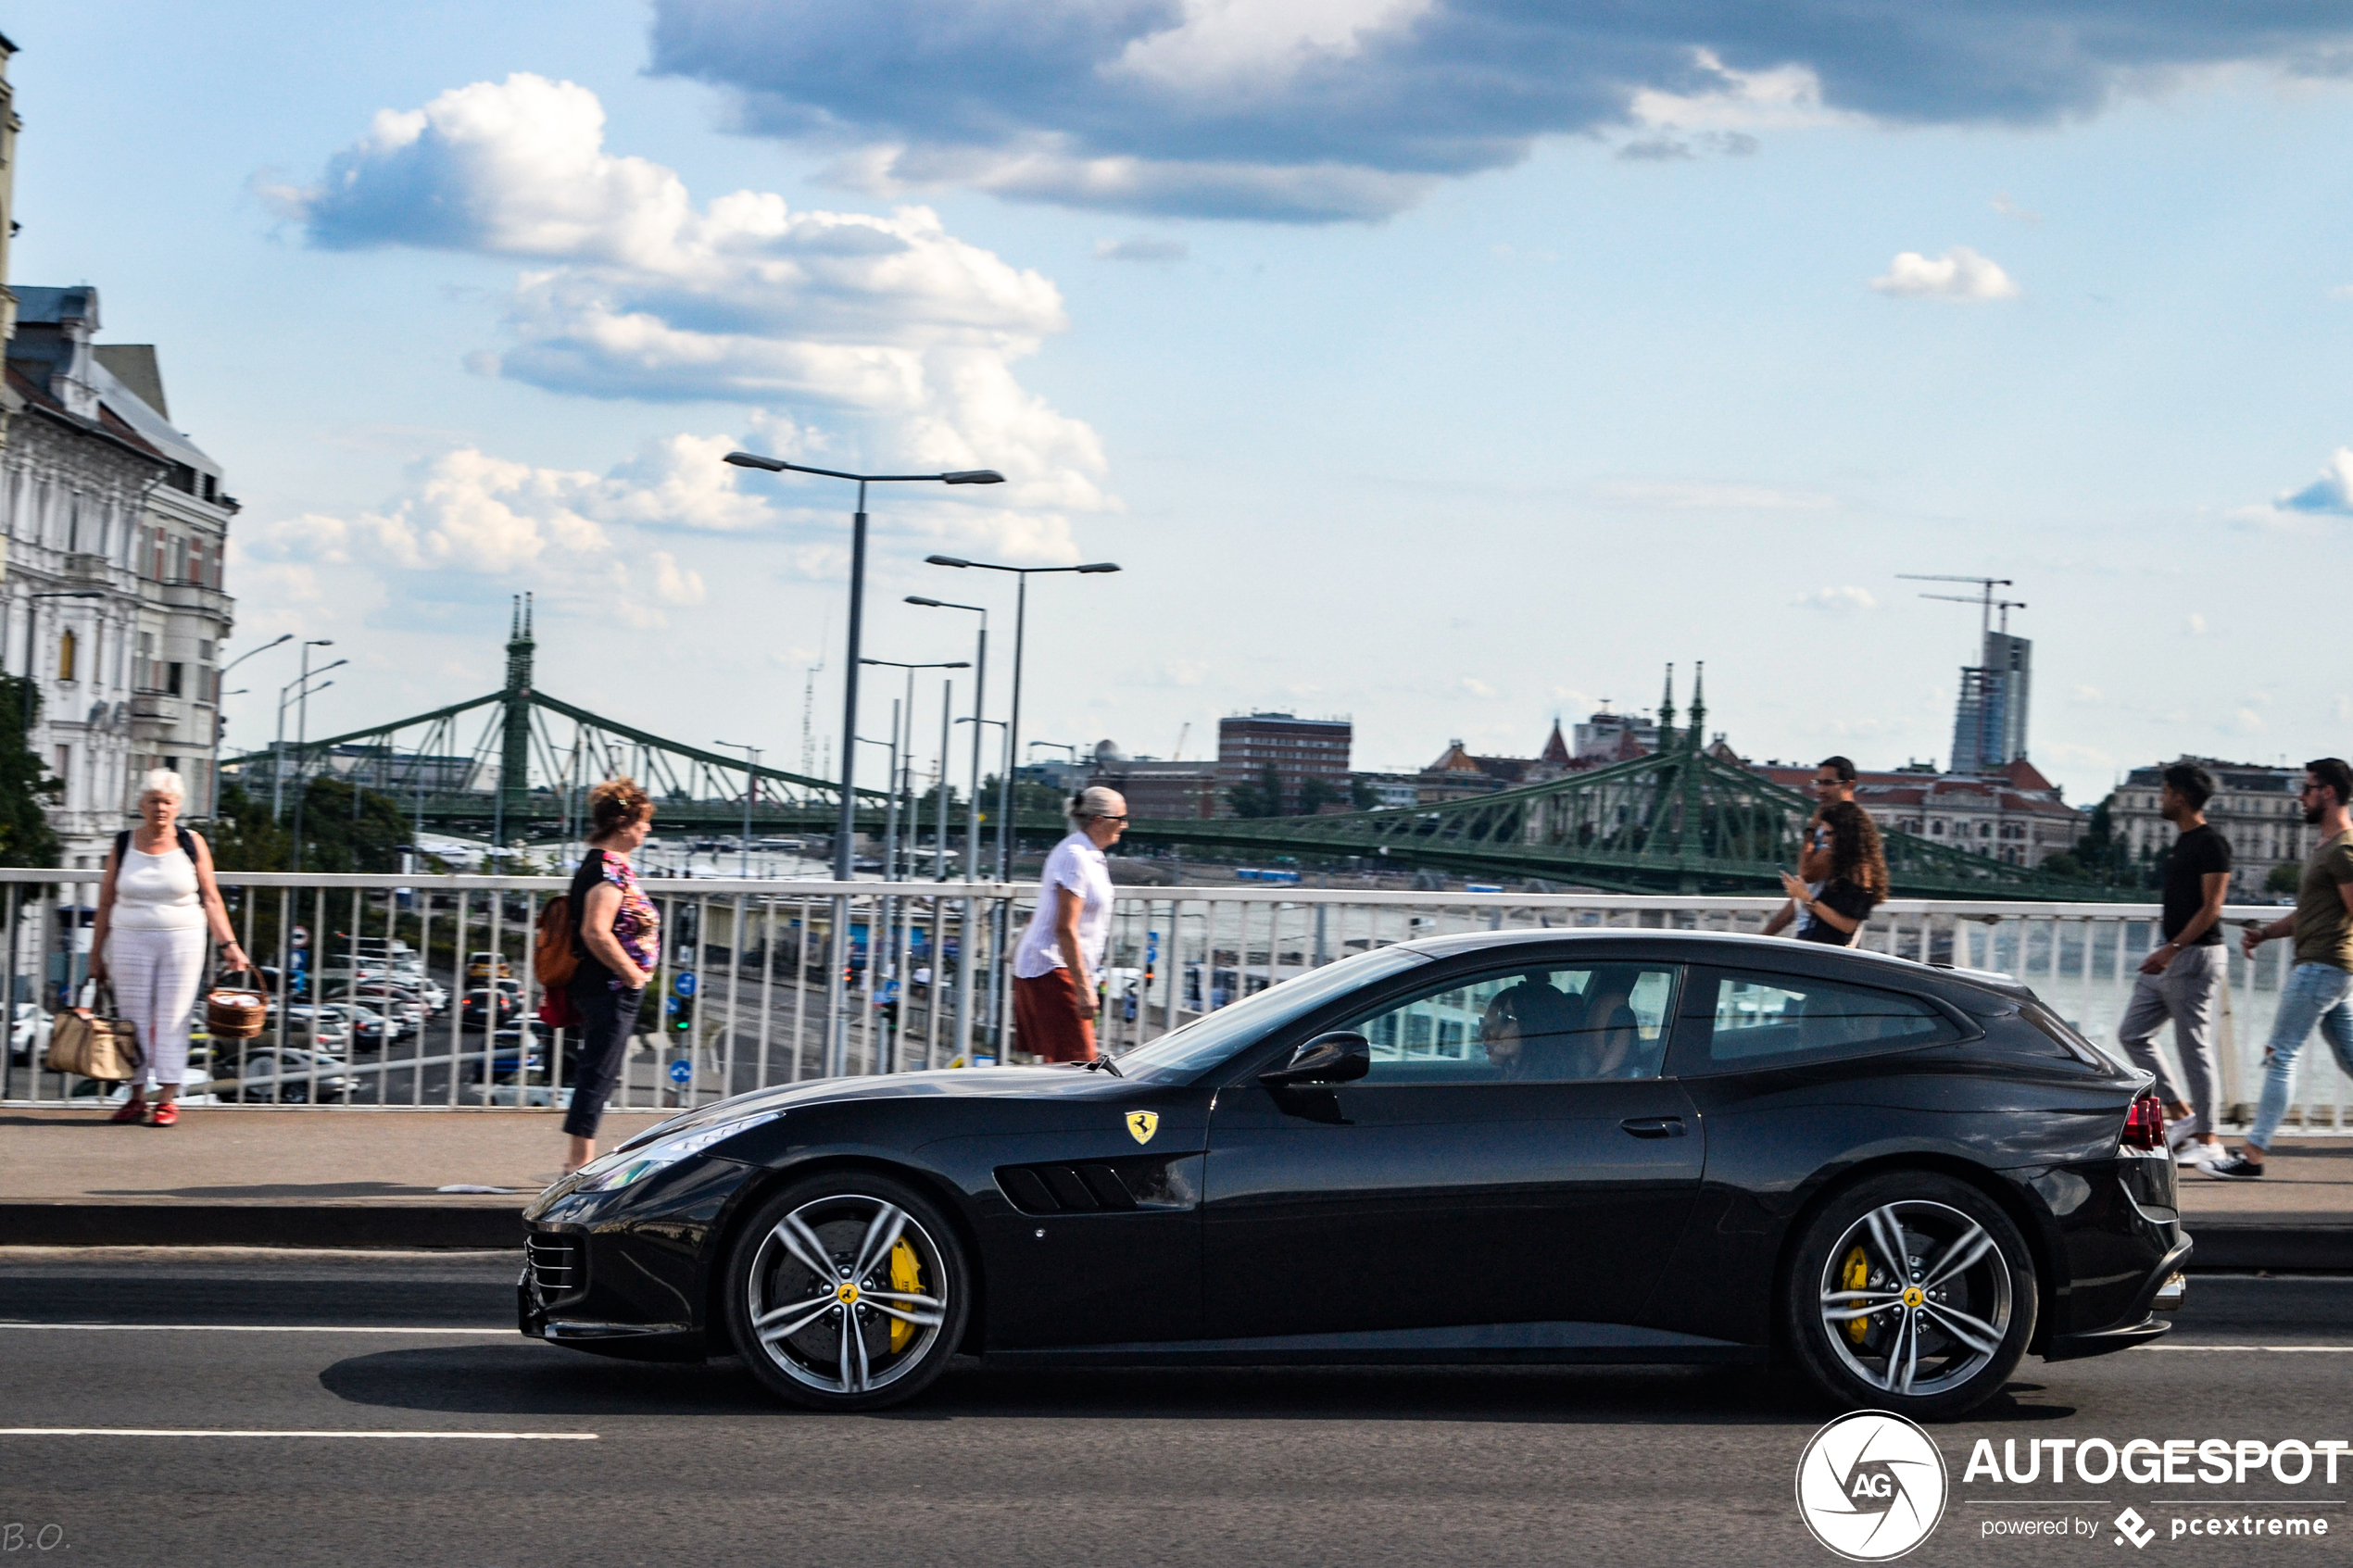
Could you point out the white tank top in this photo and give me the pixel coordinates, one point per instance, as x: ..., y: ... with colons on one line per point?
x: 157, y: 892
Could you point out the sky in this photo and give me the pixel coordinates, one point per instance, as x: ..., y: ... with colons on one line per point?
x: 1447, y: 364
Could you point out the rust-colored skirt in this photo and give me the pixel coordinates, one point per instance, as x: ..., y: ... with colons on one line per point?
x: 1045, y: 1019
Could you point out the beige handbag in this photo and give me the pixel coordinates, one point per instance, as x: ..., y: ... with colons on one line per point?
x: 94, y: 1045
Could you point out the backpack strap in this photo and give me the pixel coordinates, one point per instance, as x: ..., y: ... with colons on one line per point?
x: 187, y: 841
x: 121, y: 847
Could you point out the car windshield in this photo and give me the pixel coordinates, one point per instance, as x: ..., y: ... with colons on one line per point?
x: 1178, y: 1056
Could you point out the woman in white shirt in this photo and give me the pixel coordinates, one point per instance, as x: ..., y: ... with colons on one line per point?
x: 154, y: 905
x: 1062, y: 949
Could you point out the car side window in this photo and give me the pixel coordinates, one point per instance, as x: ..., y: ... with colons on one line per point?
x: 1537, y: 1024
x: 1773, y: 1021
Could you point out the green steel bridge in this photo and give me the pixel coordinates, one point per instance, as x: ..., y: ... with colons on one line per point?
x: 1679, y: 821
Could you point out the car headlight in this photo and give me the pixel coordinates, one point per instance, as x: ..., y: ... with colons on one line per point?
x: 623, y: 1166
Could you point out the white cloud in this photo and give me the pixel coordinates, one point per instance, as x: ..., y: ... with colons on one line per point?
x: 1785, y: 97
x: 1232, y: 47
x: 1837, y: 601
x: 2087, y: 695
x: 2196, y: 625
x: 888, y: 325
x: 2332, y: 492
x: 2012, y: 210
x: 1959, y: 273
x: 1476, y: 688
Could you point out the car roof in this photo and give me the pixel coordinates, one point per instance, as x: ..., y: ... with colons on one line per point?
x: 1727, y: 947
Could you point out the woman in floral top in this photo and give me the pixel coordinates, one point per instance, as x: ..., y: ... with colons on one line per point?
x: 618, y: 941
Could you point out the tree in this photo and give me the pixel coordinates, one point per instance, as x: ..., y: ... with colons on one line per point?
x: 1362, y: 795
x: 26, y: 837
x: 345, y: 829
x: 1263, y: 798
x: 1317, y: 794
x: 2283, y: 878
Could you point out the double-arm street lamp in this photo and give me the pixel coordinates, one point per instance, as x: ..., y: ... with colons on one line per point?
x: 845, y: 832
x: 904, y: 752
x: 293, y: 691
x: 302, y: 739
x: 1012, y: 725
x: 843, y: 868
x: 221, y: 695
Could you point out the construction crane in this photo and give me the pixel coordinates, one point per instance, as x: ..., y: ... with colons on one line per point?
x: 1985, y: 599
x: 1178, y: 754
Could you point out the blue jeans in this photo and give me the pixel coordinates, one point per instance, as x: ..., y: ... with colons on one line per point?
x: 2314, y: 993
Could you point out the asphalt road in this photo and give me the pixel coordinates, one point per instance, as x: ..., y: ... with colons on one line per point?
x: 689, y: 1466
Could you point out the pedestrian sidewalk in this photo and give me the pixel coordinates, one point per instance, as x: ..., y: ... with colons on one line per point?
x: 300, y: 1177
x: 295, y: 1177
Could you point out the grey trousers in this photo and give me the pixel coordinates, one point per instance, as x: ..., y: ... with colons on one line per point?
x: 2187, y: 992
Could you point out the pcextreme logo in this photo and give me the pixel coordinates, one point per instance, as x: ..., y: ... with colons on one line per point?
x: 1870, y: 1486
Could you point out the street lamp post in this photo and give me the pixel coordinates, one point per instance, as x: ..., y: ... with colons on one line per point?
x: 890, y: 856
x: 1012, y: 725
x: 847, y: 831
x: 751, y: 790
x: 968, y: 950
x: 219, y: 696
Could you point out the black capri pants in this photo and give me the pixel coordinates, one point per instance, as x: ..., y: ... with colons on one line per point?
x: 606, y: 1018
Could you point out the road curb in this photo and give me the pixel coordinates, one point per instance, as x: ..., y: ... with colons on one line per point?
x: 361, y: 1226
x: 2234, y: 1248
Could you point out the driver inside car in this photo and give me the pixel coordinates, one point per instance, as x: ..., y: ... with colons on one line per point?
x: 1528, y: 1031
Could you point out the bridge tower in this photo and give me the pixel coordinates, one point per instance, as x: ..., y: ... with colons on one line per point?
x: 514, y: 753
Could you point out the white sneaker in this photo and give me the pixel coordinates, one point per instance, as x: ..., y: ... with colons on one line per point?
x: 2198, y: 1156
x: 2177, y: 1133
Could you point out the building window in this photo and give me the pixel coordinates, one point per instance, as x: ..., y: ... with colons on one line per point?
x: 65, y: 657
x: 173, y: 676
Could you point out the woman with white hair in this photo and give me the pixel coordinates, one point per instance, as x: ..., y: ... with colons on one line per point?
x: 154, y: 905
x: 1061, y: 950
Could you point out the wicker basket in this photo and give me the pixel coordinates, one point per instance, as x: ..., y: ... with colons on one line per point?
x: 235, y: 1012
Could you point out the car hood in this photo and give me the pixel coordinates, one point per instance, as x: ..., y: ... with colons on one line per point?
x: 984, y: 1083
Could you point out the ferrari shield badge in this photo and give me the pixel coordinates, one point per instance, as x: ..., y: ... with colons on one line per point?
x: 1143, y: 1123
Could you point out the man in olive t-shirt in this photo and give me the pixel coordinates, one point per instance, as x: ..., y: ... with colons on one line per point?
x: 2320, y: 988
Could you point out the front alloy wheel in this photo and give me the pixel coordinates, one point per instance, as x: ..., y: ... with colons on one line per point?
x: 1911, y: 1292
x: 848, y: 1292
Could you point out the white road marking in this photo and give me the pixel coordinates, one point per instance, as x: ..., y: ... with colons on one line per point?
x: 481, y: 1437
x: 2275, y: 1349
x: 247, y: 1328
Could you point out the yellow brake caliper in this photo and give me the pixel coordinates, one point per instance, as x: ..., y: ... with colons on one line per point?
x: 907, y: 1279
x: 1858, y: 1276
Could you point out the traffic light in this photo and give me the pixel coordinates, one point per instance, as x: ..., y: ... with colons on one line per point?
x: 682, y: 1013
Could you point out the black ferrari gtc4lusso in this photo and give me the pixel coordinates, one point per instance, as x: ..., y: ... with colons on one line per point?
x: 1510, y: 1146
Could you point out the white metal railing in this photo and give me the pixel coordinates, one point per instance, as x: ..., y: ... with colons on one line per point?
x: 776, y: 997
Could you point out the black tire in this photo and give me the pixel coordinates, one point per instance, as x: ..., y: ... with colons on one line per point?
x: 873, y: 1339
x: 1935, y: 1341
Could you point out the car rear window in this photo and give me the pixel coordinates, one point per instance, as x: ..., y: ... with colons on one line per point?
x: 1755, y: 1021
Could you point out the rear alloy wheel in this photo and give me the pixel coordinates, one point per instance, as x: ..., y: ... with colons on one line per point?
x: 1911, y: 1292
x: 848, y: 1292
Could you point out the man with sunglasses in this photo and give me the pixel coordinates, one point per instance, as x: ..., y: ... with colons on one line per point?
x: 1834, y: 783
x: 2319, y: 989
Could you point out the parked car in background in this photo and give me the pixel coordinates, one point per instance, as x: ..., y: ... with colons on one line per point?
x: 282, y: 1076
x: 482, y: 966
x: 476, y: 1010
x: 368, y: 1029
x: 511, y: 1055
x: 29, y: 1033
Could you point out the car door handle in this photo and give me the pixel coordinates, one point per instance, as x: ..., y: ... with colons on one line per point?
x: 1653, y: 1127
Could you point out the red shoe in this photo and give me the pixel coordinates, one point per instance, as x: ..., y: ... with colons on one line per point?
x: 166, y: 1115
x: 130, y: 1110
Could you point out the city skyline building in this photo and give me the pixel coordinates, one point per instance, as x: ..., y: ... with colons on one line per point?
x: 1990, y: 716
x: 1298, y: 750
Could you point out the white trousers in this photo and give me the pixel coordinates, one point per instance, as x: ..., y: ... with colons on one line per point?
x: 155, y: 976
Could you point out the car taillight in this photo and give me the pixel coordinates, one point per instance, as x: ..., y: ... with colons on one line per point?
x: 2144, y: 1124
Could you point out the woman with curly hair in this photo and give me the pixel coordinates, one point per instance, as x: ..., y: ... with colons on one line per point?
x: 1856, y: 883
x: 617, y: 939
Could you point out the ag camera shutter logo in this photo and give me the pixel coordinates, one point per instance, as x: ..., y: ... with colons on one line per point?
x: 1870, y: 1486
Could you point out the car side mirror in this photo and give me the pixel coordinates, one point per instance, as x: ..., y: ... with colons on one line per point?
x: 1340, y: 1056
